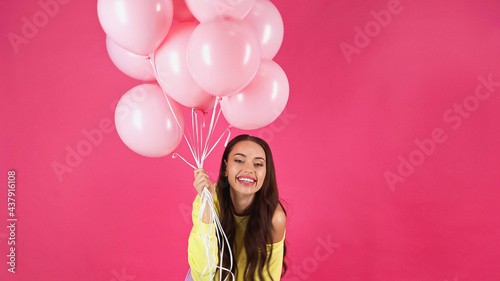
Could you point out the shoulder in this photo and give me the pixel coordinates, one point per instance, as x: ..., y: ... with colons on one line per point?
x: 279, y: 224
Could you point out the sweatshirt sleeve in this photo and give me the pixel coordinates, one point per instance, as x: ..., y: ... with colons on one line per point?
x: 197, y: 257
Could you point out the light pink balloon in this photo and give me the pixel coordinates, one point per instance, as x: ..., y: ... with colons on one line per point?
x: 204, y: 10
x: 223, y: 55
x: 261, y: 102
x: 268, y: 24
x: 182, y: 12
x: 135, y: 66
x: 208, y: 104
x: 145, y: 122
x: 173, y: 72
x: 138, y: 26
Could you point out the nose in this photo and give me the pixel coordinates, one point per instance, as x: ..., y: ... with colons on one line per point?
x: 248, y: 168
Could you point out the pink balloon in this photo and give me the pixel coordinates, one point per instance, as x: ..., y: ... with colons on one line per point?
x: 182, y: 12
x: 268, y: 24
x: 204, y: 10
x: 208, y: 104
x: 135, y: 66
x: 145, y: 122
x: 173, y: 72
x: 223, y: 55
x: 138, y: 26
x: 261, y: 102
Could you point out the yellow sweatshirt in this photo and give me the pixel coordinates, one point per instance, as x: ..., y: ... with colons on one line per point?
x: 196, y: 249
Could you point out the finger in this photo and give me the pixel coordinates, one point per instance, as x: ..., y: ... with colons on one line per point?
x: 208, y: 184
x: 199, y: 170
x: 197, y: 183
x: 200, y: 182
x: 199, y: 188
x: 202, y: 176
x: 202, y: 179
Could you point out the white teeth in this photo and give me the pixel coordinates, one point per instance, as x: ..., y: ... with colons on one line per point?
x: 245, y: 180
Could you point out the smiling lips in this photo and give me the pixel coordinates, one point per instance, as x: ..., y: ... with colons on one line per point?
x: 246, y: 180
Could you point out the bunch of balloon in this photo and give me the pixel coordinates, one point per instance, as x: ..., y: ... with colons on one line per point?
x: 207, y: 55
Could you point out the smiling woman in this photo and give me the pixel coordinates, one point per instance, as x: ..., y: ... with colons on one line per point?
x: 249, y: 209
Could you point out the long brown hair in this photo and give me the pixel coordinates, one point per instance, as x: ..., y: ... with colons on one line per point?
x: 260, y: 214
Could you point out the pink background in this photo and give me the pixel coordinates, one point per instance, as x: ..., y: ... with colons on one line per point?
x: 121, y: 216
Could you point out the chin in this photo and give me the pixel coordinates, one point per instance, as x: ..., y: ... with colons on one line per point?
x: 248, y: 190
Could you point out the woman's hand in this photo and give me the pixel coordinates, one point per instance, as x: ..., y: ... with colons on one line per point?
x: 201, y: 181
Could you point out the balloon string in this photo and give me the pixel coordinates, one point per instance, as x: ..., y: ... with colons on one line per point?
x: 165, y: 94
x: 228, y: 136
x: 228, y: 130
x: 206, y: 197
x: 205, y: 154
x: 207, y: 200
x: 201, y: 132
x: 151, y: 59
x: 192, y: 126
x: 175, y: 155
x: 218, y: 115
x: 211, y: 127
x: 210, y: 130
x: 197, y: 135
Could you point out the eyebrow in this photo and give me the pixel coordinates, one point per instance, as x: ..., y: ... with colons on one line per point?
x: 241, y: 154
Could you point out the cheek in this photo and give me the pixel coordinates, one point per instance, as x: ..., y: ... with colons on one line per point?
x: 232, y: 171
x: 262, y: 175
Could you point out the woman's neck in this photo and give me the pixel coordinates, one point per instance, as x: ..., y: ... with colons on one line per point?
x: 241, y: 202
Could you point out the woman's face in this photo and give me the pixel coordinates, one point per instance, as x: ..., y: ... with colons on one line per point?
x: 246, y: 167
